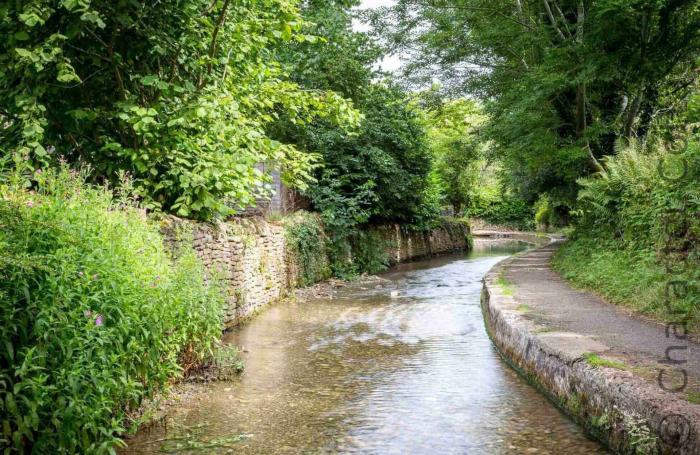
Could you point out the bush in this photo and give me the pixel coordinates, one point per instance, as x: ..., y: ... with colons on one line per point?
x: 636, y: 232
x: 506, y: 210
x: 307, y: 242
x: 543, y: 213
x: 95, y: 315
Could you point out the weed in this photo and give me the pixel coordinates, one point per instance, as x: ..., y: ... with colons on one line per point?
x: 693, y: 397
x: 596, y: 361
x: 641, y: 439
x: 505, y: 285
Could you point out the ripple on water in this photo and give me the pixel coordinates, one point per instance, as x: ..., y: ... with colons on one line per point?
x: 368, y: 372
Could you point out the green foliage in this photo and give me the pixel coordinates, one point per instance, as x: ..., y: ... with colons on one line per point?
x: 95, y: 315
x: 503, y: 209
x: 637, y: 231
x: 458, y: 153
x: 307, y: 242
x: 561, y: 80
x: 622, y: 276
x: 544, y: 215
x: 595, y: 360
x: 381, y: 172
x: 379, y: 175
x: 177, y: 93
x: 368, y: 255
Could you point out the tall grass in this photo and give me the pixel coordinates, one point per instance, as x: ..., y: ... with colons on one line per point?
x: 96, y: 315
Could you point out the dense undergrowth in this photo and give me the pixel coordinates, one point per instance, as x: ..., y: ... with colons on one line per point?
x: 636, y: 239
x: 503, y: 210
x: 307, y: 243
x: 96, y: 315
x: 318, y: 254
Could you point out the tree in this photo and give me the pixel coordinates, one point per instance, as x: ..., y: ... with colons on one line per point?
x: 379, y: 173
x: 177, y: 93
x: 457, y: 151
x: 562, y: 80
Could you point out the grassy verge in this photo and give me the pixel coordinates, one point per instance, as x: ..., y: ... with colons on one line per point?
x: 625, y: 277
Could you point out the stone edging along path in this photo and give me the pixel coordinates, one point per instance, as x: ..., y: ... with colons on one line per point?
x: 594, y: 372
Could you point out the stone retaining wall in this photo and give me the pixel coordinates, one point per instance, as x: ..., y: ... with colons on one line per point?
x: 405, y: 245
x: 616, y: 407
x: 251, y: 255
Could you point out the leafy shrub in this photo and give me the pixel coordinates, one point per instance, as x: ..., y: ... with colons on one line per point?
x: 631, y: 202
x: 179, y: 93
x: 505, y: 210
x: 95, y: 315
x: 307, y: 242
x: 543, y: 213
x: 637, y: 231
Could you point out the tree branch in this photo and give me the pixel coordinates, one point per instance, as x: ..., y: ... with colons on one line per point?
x: 552, y: 20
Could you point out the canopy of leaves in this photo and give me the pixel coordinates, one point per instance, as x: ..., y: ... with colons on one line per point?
x: 458, y: 151
x: 177, y: 92
x: 562, y: 79
x: 381, y: 172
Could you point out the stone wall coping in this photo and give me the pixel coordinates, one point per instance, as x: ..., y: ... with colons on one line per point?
x: 608, y: 402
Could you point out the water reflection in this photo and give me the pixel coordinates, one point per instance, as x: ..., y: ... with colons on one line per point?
x: 396, y: 365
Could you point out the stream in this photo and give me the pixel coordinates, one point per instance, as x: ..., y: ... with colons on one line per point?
x: 400, y: 364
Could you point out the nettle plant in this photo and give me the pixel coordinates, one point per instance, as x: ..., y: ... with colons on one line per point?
x: 178, y: 93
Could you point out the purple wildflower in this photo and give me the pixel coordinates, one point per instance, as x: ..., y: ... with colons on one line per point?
x: 80, y: 273
x: 99, y: 320
x: 30, y: 203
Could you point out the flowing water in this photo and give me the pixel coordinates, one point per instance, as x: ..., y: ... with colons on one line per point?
x: 400, y: 365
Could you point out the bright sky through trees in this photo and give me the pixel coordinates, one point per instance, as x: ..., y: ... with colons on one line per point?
x: 389, y: 63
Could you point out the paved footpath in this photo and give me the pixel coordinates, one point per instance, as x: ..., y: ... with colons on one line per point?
x: 615, y: 372
x: 633, y: 340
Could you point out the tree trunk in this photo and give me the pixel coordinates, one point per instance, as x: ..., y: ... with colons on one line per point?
x: 631, y: 116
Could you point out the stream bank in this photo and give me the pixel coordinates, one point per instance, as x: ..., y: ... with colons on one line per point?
x: 259, y: 264
x: 600, y: 364
x: 389, y: 365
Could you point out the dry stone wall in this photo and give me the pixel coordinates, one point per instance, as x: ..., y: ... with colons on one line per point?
x: 252, y: 258
x: 405, y: 245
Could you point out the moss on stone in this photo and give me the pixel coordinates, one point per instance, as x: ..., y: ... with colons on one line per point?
x: 595, y: 360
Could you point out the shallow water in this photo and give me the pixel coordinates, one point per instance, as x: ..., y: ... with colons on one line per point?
x: 397, y: 366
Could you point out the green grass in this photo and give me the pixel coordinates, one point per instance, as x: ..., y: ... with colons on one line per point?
x: 522, y: 307
x: 693, y: 397
x: 505, y: 285
x: 624, y: 277
x: 597, y: 362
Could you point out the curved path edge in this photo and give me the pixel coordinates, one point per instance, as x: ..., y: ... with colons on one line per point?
x: 626, y: 413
